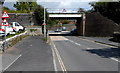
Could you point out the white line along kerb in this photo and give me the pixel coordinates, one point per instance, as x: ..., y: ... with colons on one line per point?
x: 12, y: 62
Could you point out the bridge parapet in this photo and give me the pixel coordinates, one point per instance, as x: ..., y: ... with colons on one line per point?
x: 63, y: 10
x: 65, y: 15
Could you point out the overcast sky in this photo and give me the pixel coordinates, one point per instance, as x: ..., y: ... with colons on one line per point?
x: 84, y: 5
x: 56, y: 3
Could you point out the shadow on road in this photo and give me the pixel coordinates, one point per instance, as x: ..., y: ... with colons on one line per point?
x: 106, y: 52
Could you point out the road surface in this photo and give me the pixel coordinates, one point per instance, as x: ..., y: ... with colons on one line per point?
x: 75, y: 54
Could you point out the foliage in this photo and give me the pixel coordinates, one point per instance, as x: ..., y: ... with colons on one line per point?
x: 108, y: 9
x: 25, y: 6
x: 52, y: 22
x: 6, y: 8
x: 39, y: 14
x: 22, y: 7
x: 80, y: 10
x: 33, y: 30
x: 65, y: 22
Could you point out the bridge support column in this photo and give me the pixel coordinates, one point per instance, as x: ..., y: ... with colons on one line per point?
x: 81, y: 25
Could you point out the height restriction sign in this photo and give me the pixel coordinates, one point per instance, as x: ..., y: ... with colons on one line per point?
x: 5, y: 15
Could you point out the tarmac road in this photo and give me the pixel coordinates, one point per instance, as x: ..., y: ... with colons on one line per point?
x: 81, y: 55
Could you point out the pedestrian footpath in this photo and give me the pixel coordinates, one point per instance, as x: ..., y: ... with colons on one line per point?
x: 31, y: 54
x: 102, y: 40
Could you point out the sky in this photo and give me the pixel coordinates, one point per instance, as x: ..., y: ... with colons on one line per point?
x: 56, y: 3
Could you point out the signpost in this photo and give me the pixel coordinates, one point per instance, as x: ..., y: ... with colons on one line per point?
x: 5, y: 23
x: 44, y: 24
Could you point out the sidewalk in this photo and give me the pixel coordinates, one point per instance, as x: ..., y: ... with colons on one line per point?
x: 102, y: 40
x: 31, y: 54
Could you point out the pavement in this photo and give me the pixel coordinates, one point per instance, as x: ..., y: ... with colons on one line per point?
x: 102, y: 40
x: 31, y: 54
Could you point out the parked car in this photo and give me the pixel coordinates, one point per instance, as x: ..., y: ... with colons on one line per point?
x: 73, y: 32
x: 17, y: 27
x: 58, y: 30
x: 64, y: 28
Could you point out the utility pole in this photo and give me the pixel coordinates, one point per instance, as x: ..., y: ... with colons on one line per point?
x: 84, y: 17
x: 44, y: 24
x: 5, y: 40
x: 1, y: 49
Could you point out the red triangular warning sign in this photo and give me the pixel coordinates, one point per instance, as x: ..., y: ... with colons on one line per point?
x: 5, y: 15
x: 5, y: 23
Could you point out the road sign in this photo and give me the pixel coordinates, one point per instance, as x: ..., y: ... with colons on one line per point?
x: 5, y: 23
x: 5, y: 15
x: 64, y: 10
x: 43, y: 24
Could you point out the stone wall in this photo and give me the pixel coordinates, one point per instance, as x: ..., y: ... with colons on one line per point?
x: 98, y: 25
x: 22, y: 18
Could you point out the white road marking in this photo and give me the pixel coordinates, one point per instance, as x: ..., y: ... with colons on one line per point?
x: 54, y: 61
x: 75, y: 42
x: 71, y: 41
x: 12, y: 62
x: 78, y: 44
x: 31, y: 45
x: 114, y: 59
x: 89, y: 48
x: 93, y: 48
x: 59, y: 59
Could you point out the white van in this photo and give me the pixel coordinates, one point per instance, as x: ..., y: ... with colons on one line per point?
x: 9, y: 30
x: 16, y: 26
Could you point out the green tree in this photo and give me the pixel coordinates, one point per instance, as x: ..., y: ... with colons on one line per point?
x: 39, y: 14
x: 65, y: 22
x: 25, y: 6
x: 108, y: 9
x: 6, y: 8
x: 80, y: 10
